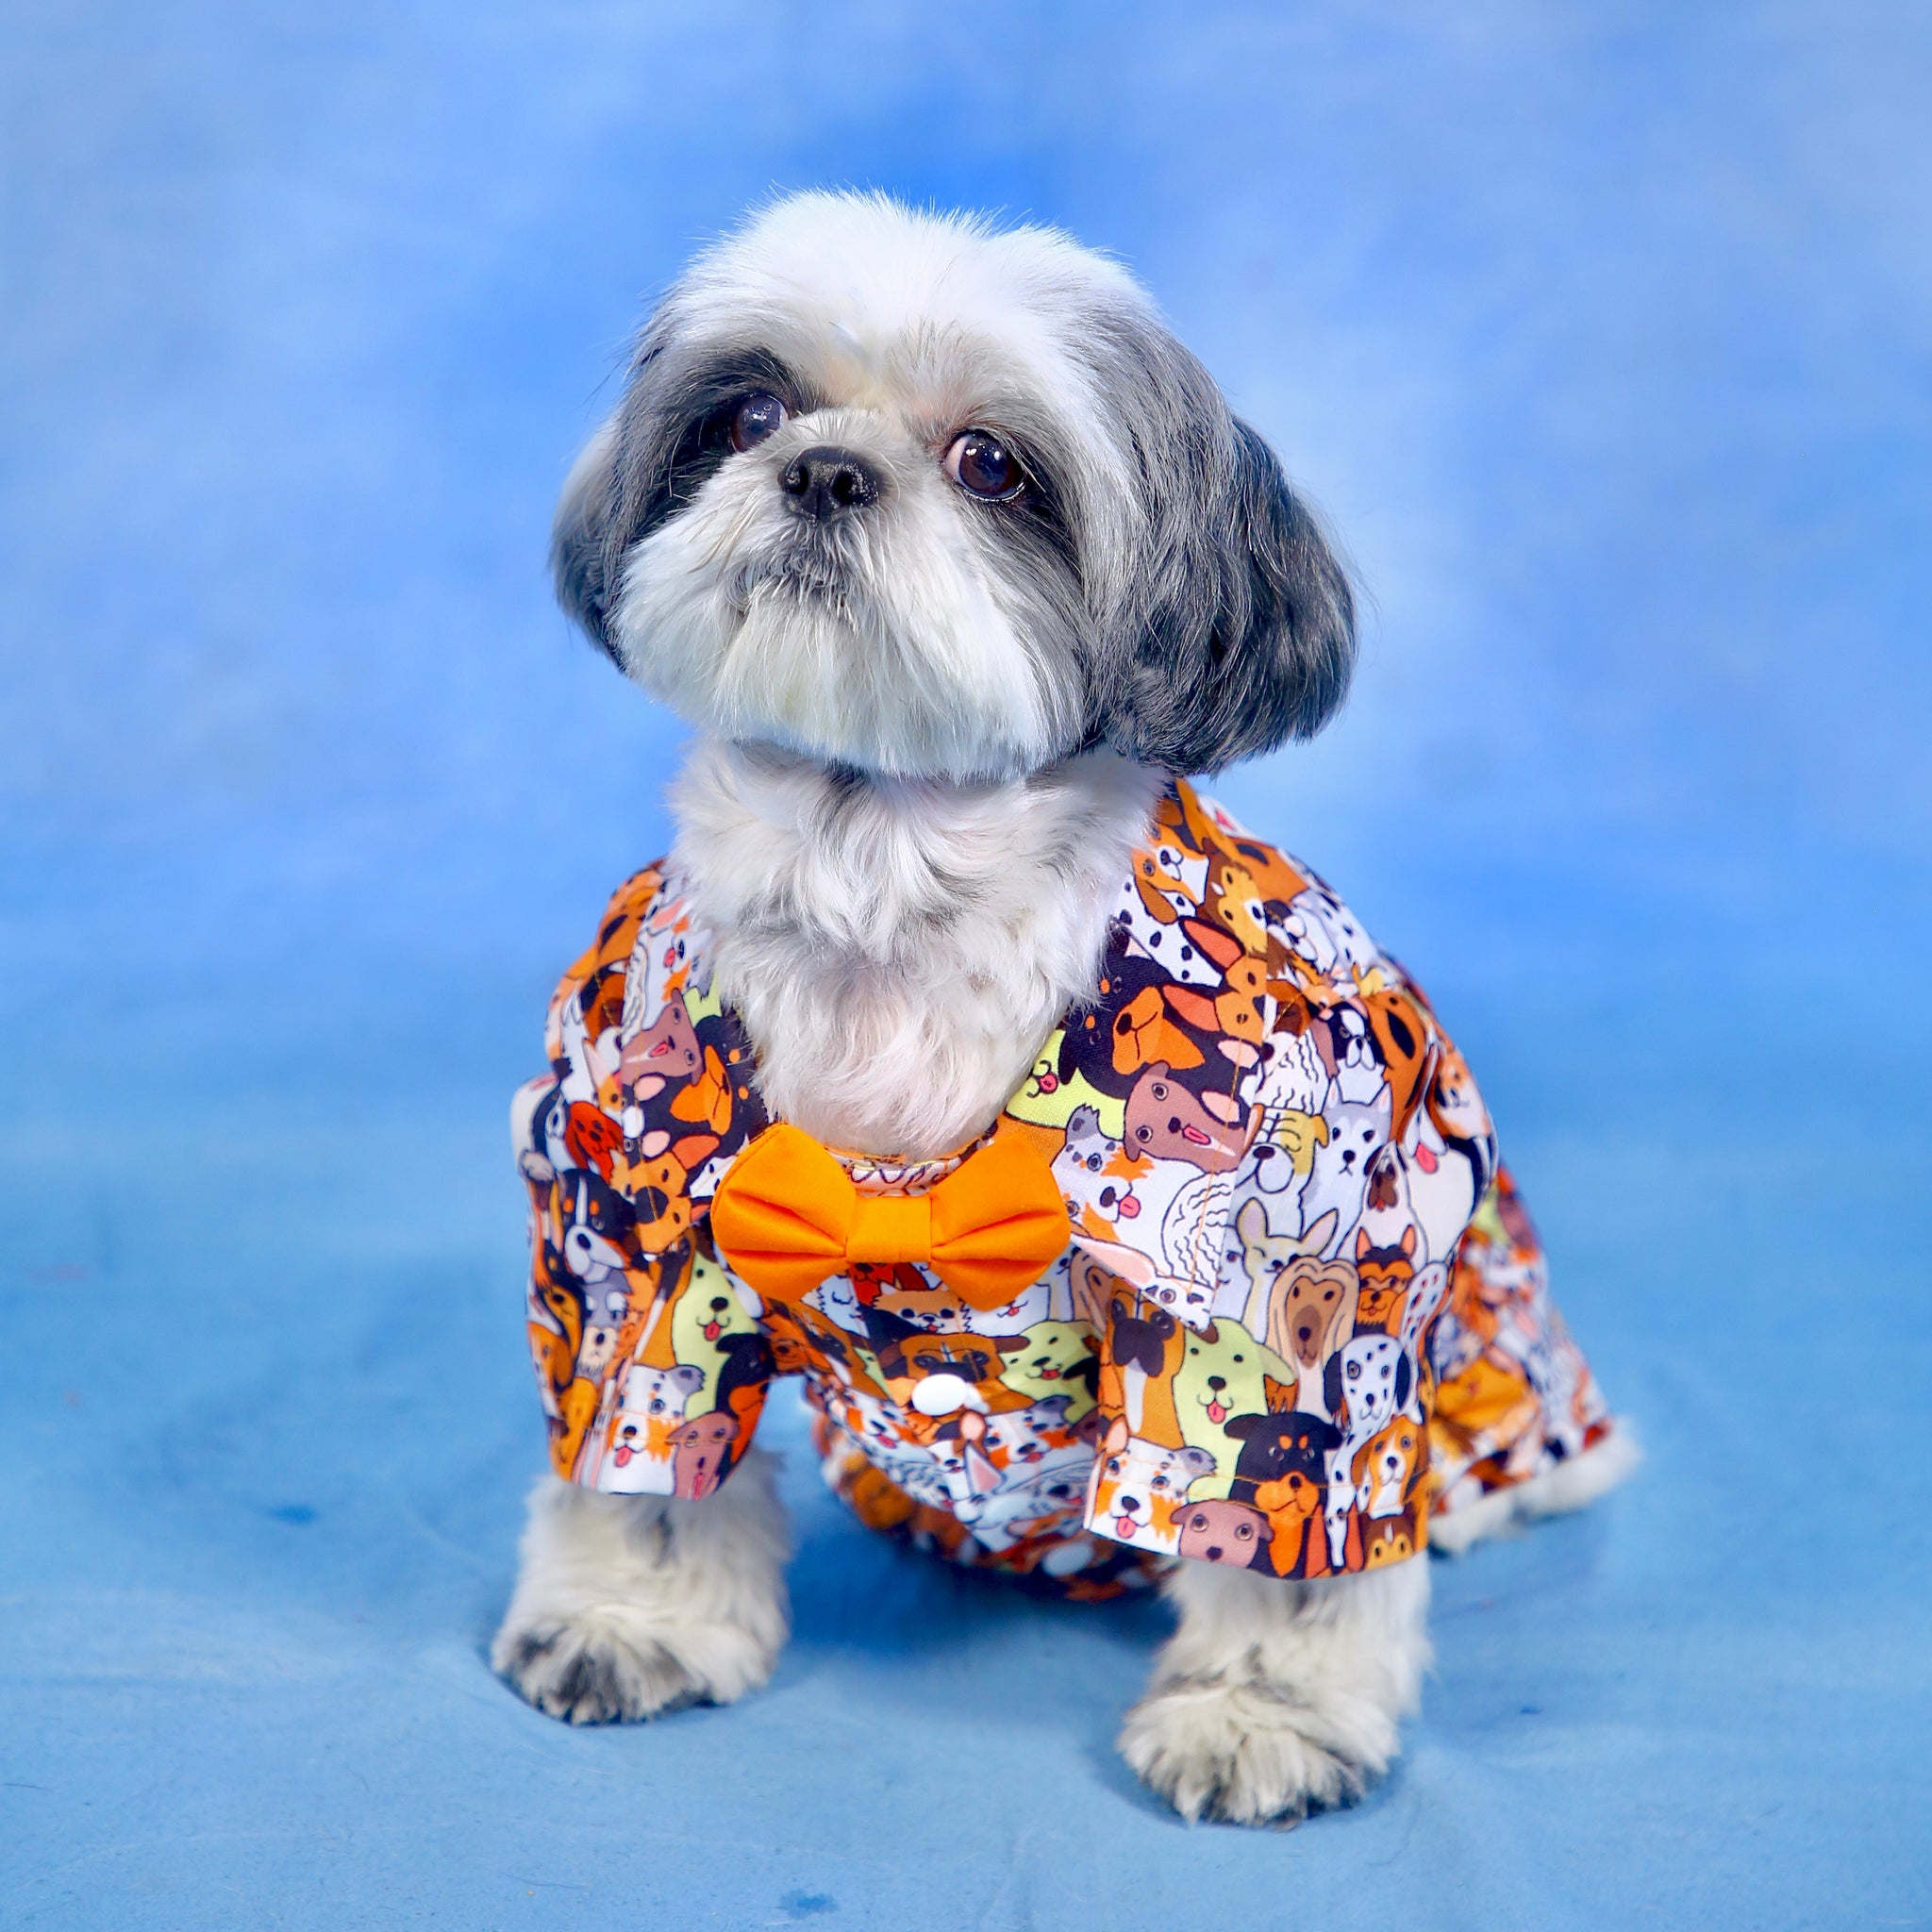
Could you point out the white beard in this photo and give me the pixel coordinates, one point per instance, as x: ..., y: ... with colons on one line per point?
x: 900, y: 949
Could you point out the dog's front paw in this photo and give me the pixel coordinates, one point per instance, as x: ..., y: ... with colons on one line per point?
x: 1248, y: 1751
x: 611, y: 1666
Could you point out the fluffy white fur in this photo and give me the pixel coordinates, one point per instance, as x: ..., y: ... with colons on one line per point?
x: 1272, y: 1698
x: 865, y: 928
x: 629, y: 1605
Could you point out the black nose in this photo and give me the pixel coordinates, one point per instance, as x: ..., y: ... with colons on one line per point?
x: 826, y: 483
x: 1217, y: 1381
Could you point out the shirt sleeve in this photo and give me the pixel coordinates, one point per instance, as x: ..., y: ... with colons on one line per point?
x: 1287, y: 1429
x: 1513, y: 1395
x: 651, y: 1367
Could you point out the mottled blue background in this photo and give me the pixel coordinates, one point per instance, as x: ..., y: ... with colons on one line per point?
x: 1601, y: 335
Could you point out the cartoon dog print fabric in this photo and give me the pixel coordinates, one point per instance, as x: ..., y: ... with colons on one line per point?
x: 1302, y: 1306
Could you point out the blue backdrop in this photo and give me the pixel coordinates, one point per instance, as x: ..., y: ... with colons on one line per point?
x: 1599, y: 334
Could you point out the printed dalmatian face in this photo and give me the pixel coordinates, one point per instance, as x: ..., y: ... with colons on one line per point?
x: 1375, y: 1381
x: 1173, y: 946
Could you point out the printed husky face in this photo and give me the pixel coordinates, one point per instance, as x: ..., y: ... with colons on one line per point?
x: 1338, y: 1178
x: 1358, y: 1131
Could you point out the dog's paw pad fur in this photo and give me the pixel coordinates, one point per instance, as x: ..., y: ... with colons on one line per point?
x: 595, y: 1672
x: 1243, y: 1752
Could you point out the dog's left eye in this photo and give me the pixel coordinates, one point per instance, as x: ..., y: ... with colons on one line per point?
x: 982, y: 465
x: 758, y: 416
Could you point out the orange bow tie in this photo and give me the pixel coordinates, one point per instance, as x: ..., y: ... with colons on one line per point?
x: 787, y: 1215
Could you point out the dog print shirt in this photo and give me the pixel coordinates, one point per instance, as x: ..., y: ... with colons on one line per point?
x: 1235, y: 1276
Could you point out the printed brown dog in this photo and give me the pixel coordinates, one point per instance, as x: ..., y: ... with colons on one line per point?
x: 701, y: 1453
x: 1167, y: 1121
x: 1310, y: 1311
x: 1230, y: 1533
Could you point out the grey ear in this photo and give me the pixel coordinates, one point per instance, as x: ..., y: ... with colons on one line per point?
x: 580, y: 556
x: 1246, y: 623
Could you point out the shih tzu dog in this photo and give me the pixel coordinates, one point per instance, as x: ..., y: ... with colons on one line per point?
x: 1129, y: 1215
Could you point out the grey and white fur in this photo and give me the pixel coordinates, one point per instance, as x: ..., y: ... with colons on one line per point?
x: 932, y: 722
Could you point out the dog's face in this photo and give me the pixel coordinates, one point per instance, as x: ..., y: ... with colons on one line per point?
x: 910, y: 496
x: 1224, y: 1533
x: 1139, y: 1485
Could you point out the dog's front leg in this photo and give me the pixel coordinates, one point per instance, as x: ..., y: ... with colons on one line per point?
x: 1273, y: 1698
x: 629, y: 1605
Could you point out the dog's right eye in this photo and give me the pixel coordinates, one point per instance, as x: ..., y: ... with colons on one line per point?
x: 758, y: 416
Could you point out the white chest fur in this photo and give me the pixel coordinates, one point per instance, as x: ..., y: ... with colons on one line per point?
x: 898, y: 950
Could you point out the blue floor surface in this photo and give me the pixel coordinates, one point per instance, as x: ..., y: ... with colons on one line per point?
x: 1599, y: 335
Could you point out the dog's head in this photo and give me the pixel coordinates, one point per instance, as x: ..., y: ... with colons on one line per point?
x: 908, y: 494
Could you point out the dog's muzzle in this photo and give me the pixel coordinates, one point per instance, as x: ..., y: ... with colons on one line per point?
x: 824, y: 483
